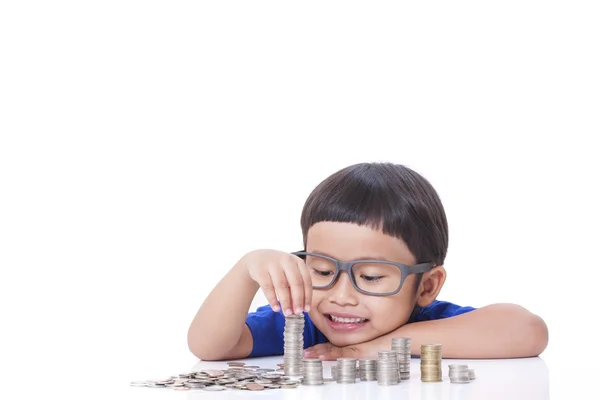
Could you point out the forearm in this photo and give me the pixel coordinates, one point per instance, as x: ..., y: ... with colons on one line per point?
x: 495, y: 331
x: 220, y: 322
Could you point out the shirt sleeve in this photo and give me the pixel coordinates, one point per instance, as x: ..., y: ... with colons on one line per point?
x: 441, y: 309
x: 267, y: 326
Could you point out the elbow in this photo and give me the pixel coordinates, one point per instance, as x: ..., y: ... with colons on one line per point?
x: 537, y: 331
x: 203, y: 349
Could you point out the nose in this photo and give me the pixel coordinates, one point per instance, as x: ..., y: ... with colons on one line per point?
x: 343, y: 292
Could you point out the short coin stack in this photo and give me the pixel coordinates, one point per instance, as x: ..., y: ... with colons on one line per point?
x: 346, y: 370
x: 387, y: 368
x: 367, y: 370
x: 471, y: 374
x: 293, y: 345
x: 431, y: 363
x: 402, y: 347
x: 312, y: 371
x: 458, y: 373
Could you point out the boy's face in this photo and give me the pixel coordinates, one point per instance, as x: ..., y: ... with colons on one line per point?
x: 381, y: 314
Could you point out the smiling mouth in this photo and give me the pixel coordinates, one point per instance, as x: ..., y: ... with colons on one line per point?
x: 344, y: 320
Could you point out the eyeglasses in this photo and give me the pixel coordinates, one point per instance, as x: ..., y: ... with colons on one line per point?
x: 372, y: 277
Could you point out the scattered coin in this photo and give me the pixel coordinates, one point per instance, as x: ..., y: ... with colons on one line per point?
x: 255, y: 386
x: 181, y: 388
x: 215, y: 388
x: 471, y: 374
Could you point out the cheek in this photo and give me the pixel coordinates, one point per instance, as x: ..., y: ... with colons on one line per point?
x: 389, y: 312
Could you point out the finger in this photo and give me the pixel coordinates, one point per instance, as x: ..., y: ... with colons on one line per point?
x: 296, y: 282
x: 307, y: 284
x: 266, y: 284
x: 282, y: 287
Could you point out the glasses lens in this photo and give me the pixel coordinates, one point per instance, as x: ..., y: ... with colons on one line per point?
x: 379, y: 278
x: 321, y: 270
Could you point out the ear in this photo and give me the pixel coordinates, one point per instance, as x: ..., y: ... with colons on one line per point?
x: 430, y: 285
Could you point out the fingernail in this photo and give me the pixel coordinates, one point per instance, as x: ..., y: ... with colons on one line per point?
x: 288, y: 312
x: 298, y: 310
x: 276, y: 308
x: 307, y: 308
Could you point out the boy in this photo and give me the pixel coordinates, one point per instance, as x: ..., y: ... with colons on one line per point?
x: 375, y: 239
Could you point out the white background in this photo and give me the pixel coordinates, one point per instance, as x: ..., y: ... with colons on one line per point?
x: 146, y: 146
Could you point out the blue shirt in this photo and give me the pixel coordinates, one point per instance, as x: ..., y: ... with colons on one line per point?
x: 267, y: 326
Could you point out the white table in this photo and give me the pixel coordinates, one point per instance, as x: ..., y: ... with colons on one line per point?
x: 513, y: 379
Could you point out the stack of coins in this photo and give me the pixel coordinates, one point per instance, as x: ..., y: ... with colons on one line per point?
x: 367, y: 370
x: 471, y: 374
x: 402, y: 347
x: 293, y: 345
x: 387, y: 368
x: 458, y: 373
x: 346, y: 370
x: 312, y: 371
x: 431, y: 363
x: 334, y: 372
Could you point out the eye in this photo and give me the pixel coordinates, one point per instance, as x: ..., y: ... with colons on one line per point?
x: 322, y: 273
x: 371, y: 278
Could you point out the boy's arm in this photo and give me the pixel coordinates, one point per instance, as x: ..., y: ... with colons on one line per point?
x: 218, y: 330
x: 494, y: 331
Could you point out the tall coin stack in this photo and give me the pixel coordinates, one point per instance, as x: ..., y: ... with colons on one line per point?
x: 431, y: 363
x: 367, y: 370
x: 387, y: 368
x: 402, y: 347
x: 293, y: 345
x: 346, y: 370
x: 458, y: 373
x: 312, y: 371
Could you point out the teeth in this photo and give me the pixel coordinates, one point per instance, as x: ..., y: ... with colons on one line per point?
x: 347, y: 320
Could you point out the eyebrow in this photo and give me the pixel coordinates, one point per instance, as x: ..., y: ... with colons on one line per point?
x: 356, y: 259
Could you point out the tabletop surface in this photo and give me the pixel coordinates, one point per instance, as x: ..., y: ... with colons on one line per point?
x: 525, y: 378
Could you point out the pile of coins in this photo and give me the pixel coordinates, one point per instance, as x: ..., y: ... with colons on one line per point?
x: 312, y: 371
x: 387, y: 368
x: 345, y: 371
x: 458, y: 373
x: 293, y: 345
x: 402, y: 347
x: 367, y: 370
x: 431, y: 363
x: 237, y: 376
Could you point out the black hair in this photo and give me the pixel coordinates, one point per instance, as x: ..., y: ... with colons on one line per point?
x: 384, y: 196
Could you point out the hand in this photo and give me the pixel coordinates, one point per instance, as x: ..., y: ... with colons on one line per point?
x: 281, y: 276
x: 329, y: 352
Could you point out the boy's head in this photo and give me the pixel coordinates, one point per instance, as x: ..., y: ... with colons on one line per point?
x: 373, y: 211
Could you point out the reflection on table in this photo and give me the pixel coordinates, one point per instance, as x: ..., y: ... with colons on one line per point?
x: 522, y: 378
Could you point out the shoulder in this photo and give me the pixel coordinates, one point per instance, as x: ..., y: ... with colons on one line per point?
x: 441, y: 309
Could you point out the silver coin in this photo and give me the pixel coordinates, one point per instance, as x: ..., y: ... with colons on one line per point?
x: 214, y: 388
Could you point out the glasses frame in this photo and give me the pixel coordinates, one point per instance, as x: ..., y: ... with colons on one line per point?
x: 406, y: 271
